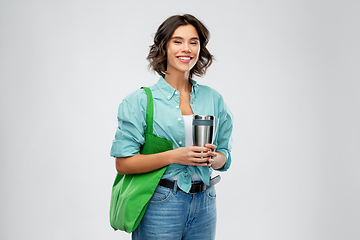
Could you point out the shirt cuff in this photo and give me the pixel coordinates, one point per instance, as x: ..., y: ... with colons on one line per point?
x: 228, y: 160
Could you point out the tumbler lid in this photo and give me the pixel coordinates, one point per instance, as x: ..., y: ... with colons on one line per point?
x: 203, y: 120
x: 204, y: 117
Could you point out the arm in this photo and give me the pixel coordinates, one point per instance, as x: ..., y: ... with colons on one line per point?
x: 139, y: 163
x: 130, y: 136
x: 223, y: 141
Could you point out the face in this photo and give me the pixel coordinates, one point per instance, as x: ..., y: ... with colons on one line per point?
x: 183, y: 49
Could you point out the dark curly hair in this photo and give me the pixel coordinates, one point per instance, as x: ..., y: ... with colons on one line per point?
x: 158, y: 56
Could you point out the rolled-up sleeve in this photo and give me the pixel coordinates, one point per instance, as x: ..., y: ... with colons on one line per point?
x: 224, y: 139
x: 129, y: 136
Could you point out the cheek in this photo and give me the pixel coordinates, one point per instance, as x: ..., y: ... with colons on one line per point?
x: 198, y: 50
x: 197, y: 53
x: 168, y: 54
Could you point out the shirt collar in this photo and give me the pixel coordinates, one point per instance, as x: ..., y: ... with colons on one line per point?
x: 169, y: 91
x: 195, y: 86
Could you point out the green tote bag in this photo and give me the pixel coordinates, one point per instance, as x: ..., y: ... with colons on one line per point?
x: 131, y: 193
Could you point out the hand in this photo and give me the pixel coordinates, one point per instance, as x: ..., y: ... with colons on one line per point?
x: 194, y: 155
x: 211, y: 149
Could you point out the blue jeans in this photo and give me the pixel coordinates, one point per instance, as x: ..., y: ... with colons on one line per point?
x: 175, y: 215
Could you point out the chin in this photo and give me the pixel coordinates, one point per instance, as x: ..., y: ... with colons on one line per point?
x: 184, y: 69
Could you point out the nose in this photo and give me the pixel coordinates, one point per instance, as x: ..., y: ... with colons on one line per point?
x: 186, y: 48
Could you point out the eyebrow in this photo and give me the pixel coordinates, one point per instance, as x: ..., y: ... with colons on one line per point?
x: 178, y: 37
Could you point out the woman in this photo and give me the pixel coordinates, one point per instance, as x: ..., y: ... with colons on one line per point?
x: 179, y: 208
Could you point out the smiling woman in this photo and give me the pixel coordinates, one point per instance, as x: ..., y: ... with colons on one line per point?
x: 183, y: 205
x: 183, y: 50
x: 158, y: 51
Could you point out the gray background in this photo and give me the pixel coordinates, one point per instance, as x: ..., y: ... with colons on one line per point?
x: 289, y: 70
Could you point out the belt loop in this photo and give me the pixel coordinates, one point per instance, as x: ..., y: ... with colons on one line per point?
x: 175, y: 187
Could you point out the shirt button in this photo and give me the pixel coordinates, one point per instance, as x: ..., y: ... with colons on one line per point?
x: 176, y: 92
x: 179, y: 119
x: 180, y: 142
x: 169, y: 97
x: 177, y: 106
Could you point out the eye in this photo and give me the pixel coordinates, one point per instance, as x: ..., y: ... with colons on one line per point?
x: 177, y: 42
x: 193, y: 43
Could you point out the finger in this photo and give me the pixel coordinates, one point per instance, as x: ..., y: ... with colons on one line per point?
x: 214, y: 155
x: 201, y: 161
x: 211, y: 161
x: 211, y: 146
x: 204, y: 154
x: 199, y: 149
x: 201, y: 164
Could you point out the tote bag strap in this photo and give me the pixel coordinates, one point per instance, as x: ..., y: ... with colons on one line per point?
x: 149, y: 110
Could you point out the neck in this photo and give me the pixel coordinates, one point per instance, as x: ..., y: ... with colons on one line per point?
x: 179, y: 81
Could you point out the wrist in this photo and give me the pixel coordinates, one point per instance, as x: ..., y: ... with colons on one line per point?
x: 219, y: 161
x: 170, y: 157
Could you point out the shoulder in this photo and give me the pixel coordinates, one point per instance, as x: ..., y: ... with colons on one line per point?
x: 206, y: 92
x: 209, y: 91
x: 137, y: 95
x: 136, y: 100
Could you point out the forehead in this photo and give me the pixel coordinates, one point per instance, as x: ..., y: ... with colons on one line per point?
x: 186, y: 31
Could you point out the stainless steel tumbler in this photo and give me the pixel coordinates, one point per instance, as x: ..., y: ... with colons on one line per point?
x: 203, y: 129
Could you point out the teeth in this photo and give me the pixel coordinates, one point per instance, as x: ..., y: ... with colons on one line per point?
x: 184, y: 58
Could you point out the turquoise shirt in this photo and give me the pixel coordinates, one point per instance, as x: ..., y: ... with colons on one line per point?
x: 169, y: 124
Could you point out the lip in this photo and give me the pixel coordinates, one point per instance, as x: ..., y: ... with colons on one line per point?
x: 185, y: 58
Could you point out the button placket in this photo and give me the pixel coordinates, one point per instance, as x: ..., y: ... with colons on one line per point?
x: 181, y: 130
x: 192, y: 98
x: 177, y: 100
x: 181, y: 133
